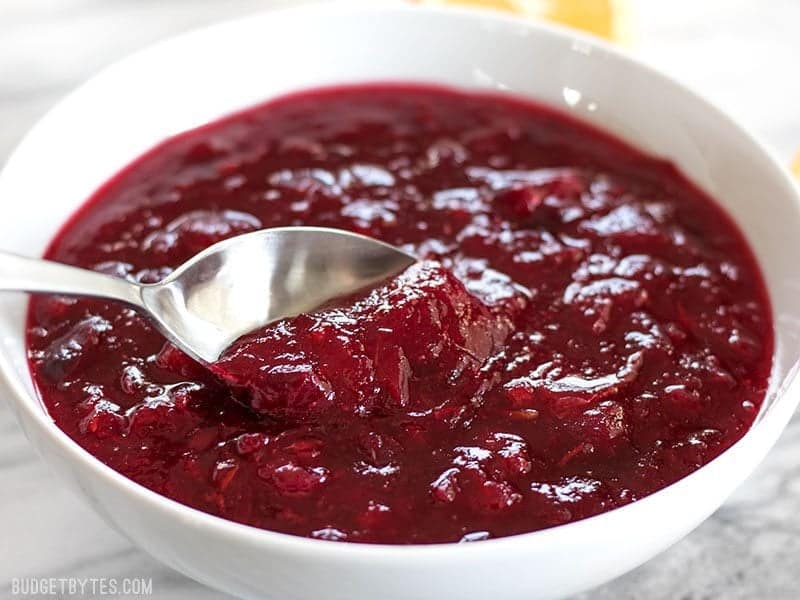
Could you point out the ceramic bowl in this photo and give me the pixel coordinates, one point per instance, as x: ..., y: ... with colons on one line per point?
x: 197, y: 77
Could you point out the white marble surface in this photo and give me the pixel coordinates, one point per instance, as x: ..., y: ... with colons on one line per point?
x: 743, y: 54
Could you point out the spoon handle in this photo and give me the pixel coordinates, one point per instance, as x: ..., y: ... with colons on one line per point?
x: 20, y: 273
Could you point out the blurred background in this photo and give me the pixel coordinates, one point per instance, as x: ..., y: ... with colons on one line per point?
x: 741, y: 54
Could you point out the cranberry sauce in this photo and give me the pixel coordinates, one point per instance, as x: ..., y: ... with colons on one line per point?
x: 584, y: 328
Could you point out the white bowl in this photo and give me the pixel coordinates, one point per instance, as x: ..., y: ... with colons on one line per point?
x: 197, y: 77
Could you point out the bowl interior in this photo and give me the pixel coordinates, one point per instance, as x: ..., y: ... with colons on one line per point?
x: 197, y: 77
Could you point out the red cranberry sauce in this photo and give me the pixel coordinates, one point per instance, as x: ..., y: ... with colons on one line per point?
x: 585, y: 326
x: 408, y: 346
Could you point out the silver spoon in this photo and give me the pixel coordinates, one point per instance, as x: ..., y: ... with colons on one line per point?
x: 232, y: 287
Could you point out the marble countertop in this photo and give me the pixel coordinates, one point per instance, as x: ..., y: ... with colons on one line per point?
x: 742, y: 54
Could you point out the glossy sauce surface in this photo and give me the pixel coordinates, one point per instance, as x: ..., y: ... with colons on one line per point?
x: 585, y: 326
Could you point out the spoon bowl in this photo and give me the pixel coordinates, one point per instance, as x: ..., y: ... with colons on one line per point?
x: 251, y: 280
x: 231, y: 287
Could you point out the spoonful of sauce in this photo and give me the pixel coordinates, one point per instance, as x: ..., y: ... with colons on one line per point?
x: 231, y: 288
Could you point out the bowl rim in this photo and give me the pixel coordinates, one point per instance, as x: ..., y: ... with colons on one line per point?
x: 21, y: 400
